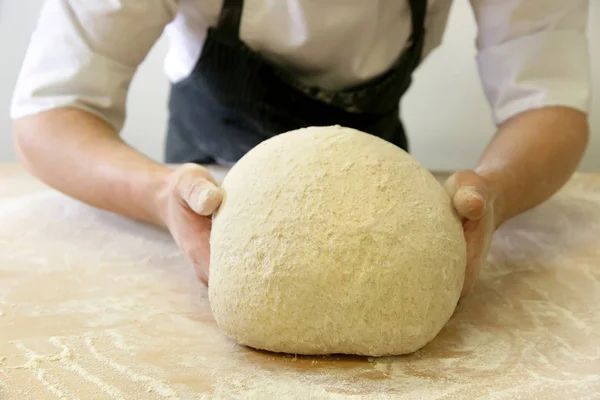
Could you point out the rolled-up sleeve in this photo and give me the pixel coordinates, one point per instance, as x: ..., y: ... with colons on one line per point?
x: 85, y: 53
x: 533, y: 53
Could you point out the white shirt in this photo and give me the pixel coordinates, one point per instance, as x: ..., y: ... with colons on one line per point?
x: 83, y: 53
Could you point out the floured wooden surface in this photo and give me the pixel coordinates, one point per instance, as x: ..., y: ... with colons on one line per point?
x: 94, y: 306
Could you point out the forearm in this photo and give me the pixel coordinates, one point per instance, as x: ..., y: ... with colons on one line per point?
x: 80, y: 155
x: 532, y: 156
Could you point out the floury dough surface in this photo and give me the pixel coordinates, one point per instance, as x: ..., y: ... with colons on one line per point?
x: 333, y: 241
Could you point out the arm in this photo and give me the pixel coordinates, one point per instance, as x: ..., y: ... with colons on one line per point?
x: 532, y: 156
x: 69, y: 105
x: 534, y: 66
x: 80, y: 155
x: 69, y: 102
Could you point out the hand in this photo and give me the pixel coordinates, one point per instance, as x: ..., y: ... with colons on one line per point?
x: 187, y: 200
x: 474, y: 200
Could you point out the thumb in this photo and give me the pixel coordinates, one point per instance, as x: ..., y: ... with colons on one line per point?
x: 469, y: 193
x: 197, y: 188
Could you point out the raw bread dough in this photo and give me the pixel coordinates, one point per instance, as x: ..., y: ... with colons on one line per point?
x: 330, y: 240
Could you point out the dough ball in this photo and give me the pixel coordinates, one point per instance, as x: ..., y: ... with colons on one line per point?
x: 333, y: 241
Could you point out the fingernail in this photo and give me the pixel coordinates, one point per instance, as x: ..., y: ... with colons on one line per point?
x: 471, y: 193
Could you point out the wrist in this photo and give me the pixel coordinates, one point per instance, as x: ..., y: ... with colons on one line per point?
x: 159, y: 189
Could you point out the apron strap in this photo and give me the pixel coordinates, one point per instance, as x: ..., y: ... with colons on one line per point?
x: 230, y: 18
x: 418, y: 13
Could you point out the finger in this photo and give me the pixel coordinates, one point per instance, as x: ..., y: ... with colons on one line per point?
x: 197, y: 251
x: 469, y: 193
x: 469, y: 202
x: 197, y: 188
x: 478, y: 235
x: 474, y: 236
x: 201, y: 259
x: 203, y: 197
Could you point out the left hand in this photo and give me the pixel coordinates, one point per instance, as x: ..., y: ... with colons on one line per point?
x: 187, y: 198
x: 474, y: 200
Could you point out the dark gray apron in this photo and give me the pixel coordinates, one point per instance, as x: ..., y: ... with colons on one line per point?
x: 234, y: 99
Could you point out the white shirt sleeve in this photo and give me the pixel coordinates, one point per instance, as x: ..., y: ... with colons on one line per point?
x: 85, y: 53
x: 533, y: 53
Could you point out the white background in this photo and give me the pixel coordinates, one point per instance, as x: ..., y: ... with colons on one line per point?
x: 445, y: 132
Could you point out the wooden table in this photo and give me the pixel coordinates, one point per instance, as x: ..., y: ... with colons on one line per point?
x: 94, y: 306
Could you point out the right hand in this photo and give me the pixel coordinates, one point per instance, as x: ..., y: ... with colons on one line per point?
x: 186, y: 202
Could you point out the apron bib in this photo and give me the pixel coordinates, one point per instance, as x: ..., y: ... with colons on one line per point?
x: 234, y: 99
